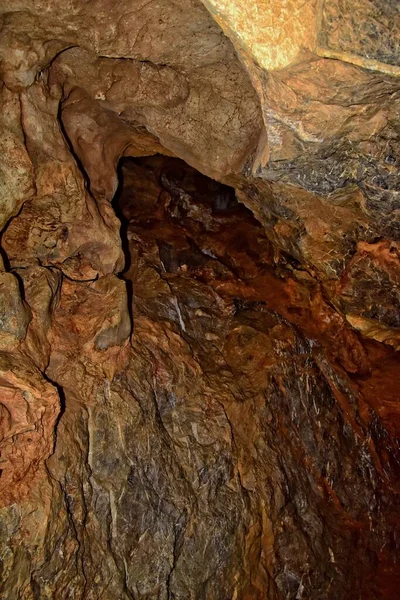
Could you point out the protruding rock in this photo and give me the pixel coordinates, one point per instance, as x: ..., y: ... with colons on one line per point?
x: 29, y: 407
x: 14, y: 313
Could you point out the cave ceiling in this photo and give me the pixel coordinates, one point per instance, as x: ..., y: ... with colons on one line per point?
x: 199, y: 299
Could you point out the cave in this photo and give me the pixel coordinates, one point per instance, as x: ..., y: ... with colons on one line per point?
x: 199, y: 300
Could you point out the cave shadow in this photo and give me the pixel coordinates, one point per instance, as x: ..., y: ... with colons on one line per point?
x: 116, y: 204
x: 184, y: 193
x: 182, y: 189
x: 61, y: 395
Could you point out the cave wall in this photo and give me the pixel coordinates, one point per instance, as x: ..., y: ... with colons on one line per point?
x: 199, y: 397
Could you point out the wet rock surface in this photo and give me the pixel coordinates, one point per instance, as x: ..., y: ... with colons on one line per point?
x: 209, y: 264
x: 231, y: 450
x: 199, y: 378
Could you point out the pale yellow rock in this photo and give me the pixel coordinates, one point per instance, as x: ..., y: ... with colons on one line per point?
x: 272, y: 33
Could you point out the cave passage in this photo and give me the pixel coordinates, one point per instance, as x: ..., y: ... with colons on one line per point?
x: 228, y: 448
x: 186, y: 235
x: 182, y: 230
x: 199, y: 365
x: 237, y: 368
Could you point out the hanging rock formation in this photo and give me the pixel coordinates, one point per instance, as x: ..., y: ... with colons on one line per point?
x: 199, y: 300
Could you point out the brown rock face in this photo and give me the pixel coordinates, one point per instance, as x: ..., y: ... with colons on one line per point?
x: 199, y: 300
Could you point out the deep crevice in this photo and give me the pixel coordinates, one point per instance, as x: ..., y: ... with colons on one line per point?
x: 61, y: 395
x: 116, y: 204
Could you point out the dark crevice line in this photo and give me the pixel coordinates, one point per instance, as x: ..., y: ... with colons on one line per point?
x: 49, y: 64
x: 115, y: 203
x: 61, y: 395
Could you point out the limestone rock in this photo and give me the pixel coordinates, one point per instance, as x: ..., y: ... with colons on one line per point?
x: 62, y: 225
x: 42, y: 293
x: 29, y: 409
x: 272, y: 34
x: 199, y: 300
x: 89, y: 326
x: 14, y: 313
x: 181, y: 119
x: 16, y: 172
x: 99, y: 138
x: 369, y: 29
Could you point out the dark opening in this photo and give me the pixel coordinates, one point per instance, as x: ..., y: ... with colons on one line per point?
x: 180, y: 231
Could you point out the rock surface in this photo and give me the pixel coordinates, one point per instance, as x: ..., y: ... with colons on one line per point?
x: 199, y: 300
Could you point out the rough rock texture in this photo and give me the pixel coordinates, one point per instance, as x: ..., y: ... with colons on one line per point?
x: 199, y: 300
x: 370, y: 29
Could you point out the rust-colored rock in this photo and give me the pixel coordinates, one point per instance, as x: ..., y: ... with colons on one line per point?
x: 199, y: 300
x: 29, y: 409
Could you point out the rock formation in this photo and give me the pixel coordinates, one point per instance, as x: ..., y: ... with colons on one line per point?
x: 200, y: 300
